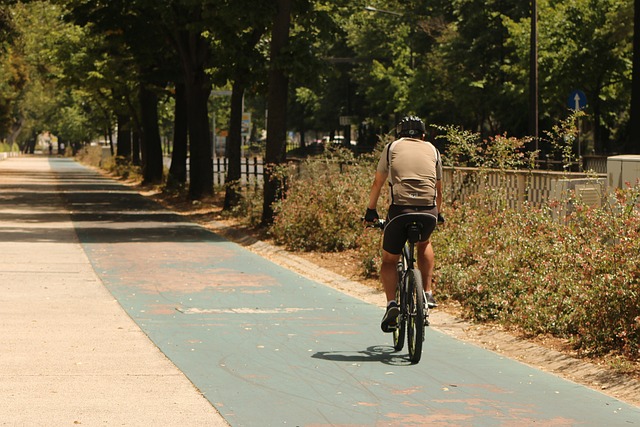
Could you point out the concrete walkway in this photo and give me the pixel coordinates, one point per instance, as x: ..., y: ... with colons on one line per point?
x: 70, y: 355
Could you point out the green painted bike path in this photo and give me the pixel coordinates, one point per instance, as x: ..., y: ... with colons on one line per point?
x: 269, y: 347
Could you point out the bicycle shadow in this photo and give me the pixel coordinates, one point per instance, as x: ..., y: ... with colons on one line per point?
x: 379, y: 353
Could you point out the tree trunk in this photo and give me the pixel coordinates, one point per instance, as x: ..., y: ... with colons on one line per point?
x: 234, y: 148
x: 194, y: 54
x: 110, y: 138
x: 242, y: 75
x: 633, y: 144
x: 123, y: 142
x: 151, y: 145
x: 277, y: 107
x: 135, y: 155
x: 178, y: 169
x: 200, y: 155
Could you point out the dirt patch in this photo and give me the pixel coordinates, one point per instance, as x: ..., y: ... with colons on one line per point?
x: 342, y: 271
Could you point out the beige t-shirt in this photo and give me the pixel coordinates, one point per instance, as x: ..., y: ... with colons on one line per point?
x: 415, y: 169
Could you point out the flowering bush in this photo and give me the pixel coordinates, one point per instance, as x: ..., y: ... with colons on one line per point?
x: 578, y: 278
x: 324, y: 203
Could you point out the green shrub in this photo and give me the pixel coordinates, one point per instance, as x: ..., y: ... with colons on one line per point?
x: 5, y: 147
x: 324, y: 203
x: 578, y: 279
x: 249, y: 207
x: 90, y: 155
x: 370, y: 250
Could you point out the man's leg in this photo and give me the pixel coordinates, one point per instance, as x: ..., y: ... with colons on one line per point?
x: 426, y: 264
x: 389, y: 274
x: 389, y: 279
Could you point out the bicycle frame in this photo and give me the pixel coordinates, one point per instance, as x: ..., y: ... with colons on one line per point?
x: 414, y: 312
x: 410, y: 296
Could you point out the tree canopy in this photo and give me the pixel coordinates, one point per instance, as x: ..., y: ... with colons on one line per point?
x: 82, y: 69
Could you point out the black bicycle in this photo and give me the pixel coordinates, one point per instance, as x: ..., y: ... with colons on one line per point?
x: 410, y: 296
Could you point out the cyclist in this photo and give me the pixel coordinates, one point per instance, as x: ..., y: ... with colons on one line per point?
x: 413, y: 169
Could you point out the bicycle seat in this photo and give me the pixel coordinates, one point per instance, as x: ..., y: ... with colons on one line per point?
x: 414, y: 229
x: 412, y: 226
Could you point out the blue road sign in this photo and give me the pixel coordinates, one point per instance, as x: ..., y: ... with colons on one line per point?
x: 577, y: 100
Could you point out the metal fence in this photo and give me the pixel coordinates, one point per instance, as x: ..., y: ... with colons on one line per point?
x: 593, y: 163
x: 251, y: 170
x: 515, y: 187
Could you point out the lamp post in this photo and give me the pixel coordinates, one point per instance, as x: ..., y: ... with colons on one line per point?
x: 375, y: 9
x: 401, y: 15
x: 533, y: 74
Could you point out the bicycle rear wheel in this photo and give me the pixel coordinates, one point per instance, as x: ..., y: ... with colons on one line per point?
x: 399, y: 332
x: 415, y: 321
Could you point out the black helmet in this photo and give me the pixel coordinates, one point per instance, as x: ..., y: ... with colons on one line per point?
x: 410, y: 126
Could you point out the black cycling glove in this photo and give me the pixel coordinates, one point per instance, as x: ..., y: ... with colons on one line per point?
x: 440, y: 218
x: 371, y: 215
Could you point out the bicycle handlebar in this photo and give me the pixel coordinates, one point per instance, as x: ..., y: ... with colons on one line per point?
x: 379, y: 223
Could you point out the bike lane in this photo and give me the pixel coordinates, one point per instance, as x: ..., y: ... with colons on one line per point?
x: 268, y: 347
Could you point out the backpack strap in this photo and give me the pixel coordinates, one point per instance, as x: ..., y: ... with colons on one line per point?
x: 389, y: 167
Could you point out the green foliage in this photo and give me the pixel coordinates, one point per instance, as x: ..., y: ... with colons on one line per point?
x: 465, y: 148
x: 6, y: 148
x: 582, y: 44
x: 577, y: 279
x: 93, y: 155
x: 324, y: 203
x: 465, y: 73
x: 462, y: 62
x: 249, y: 206
x: 562, y: 136
x: 36, y: 69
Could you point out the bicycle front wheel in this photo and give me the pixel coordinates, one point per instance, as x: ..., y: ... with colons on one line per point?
x: 415, y: 321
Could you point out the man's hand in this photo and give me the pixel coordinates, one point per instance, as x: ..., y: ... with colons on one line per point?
x: 440, y: 218
x: 371, y: 215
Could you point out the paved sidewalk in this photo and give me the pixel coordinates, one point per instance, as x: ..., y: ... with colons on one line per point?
x: 70, y: 355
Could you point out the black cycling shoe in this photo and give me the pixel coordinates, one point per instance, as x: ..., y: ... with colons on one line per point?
x: 431, y: 301
x: 390, y: 319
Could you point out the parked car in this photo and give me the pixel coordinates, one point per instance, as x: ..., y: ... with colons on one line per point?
x: 337, y: 140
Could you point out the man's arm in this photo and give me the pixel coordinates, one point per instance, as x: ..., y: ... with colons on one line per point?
x: 378, y: 182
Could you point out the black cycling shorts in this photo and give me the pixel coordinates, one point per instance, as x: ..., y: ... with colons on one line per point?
x: 395, y: 233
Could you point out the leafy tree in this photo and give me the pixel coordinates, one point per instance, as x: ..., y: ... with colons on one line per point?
x: 13, y: 79
x: 237, y: 44
x: 322, y: 86
x: 472, y: 55
x: 132, y: 38
x: 583, y: 44
x: 598, y: 35
x: 277, y: 107
x: 384, y: 43
x: 43, y: 96
x: 185, y: 23
x: 12, y: 73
